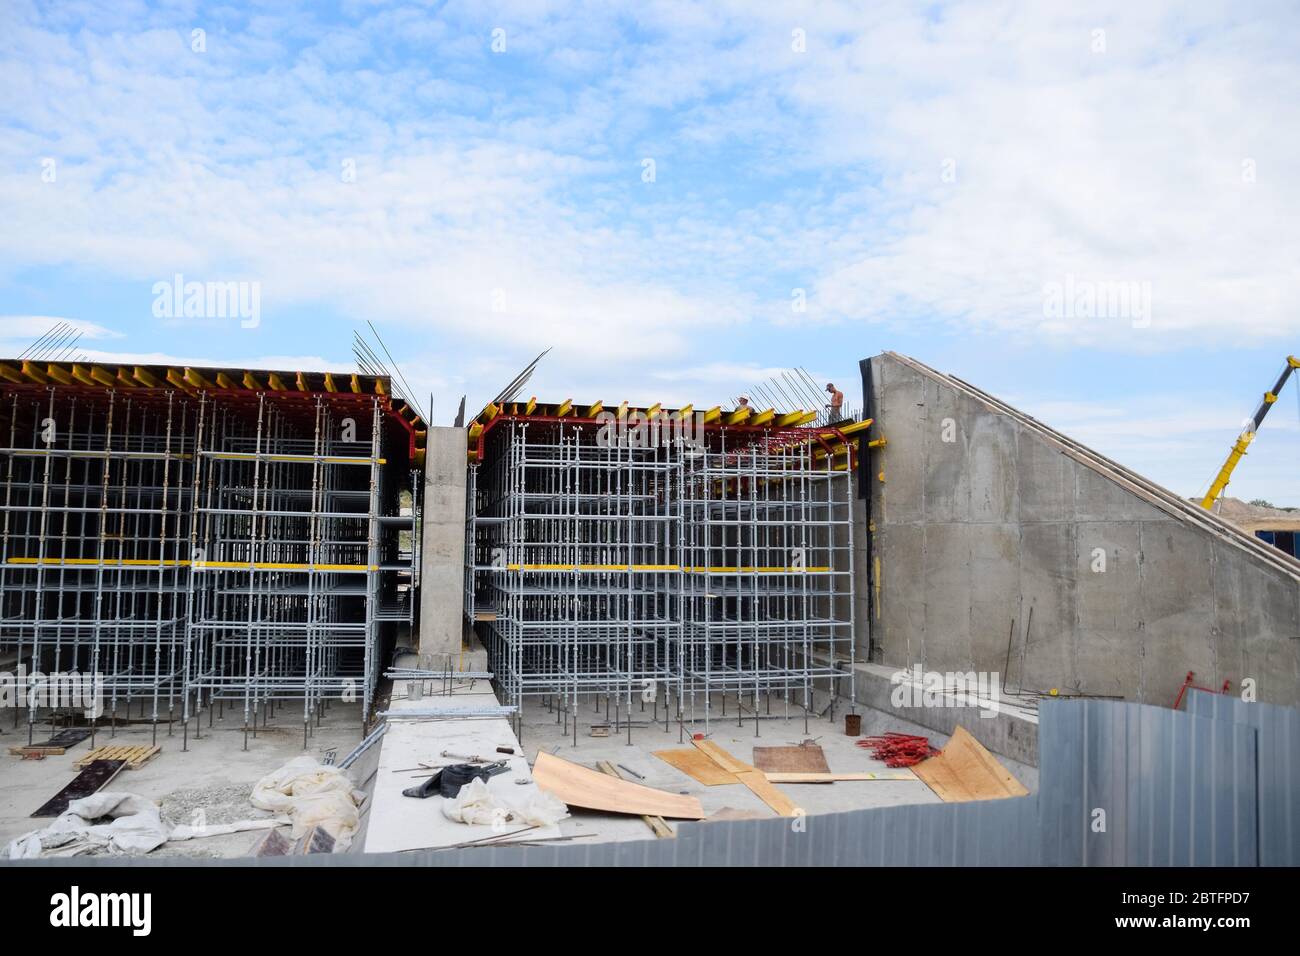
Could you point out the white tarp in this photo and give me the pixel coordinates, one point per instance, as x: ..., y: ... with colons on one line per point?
x: 136, y: 827
x: 312, y: 794
x: 476, y: 803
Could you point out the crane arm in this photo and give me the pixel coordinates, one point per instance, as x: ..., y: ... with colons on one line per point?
x: 1248, y: 435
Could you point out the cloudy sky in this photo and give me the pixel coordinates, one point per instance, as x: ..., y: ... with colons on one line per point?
x: 1089, y: 210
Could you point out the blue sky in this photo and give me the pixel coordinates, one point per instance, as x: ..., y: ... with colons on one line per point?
x: 925, y: 174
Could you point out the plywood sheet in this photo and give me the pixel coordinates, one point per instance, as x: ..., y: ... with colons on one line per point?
x: 660, y: 827
x: 89, y: 781
x: 801, y: 759
x: 698, y: 766
x: 967, y: 771
x: 579, y: 786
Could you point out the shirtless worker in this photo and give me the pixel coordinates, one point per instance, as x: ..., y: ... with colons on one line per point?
x: 836, y: 402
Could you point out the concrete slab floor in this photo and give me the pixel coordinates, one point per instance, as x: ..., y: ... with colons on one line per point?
x: 213, y: 778
x: 542, y: 732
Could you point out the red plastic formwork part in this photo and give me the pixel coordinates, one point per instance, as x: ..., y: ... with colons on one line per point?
x: 899, y: 750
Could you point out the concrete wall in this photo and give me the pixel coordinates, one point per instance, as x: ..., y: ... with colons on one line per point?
x: 442, y: 558
x: 1007, y: 518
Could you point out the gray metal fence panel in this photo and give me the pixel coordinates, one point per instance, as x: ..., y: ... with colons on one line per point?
x: 1278, y: 768
x: 1134, y: 785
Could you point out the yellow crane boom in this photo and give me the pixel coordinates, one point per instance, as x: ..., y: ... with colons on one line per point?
x: 1248, y: 435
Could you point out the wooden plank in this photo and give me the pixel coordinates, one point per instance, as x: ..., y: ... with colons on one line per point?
x: 966, y: 771
x: 657, y: 824
x: 91, y: 780
x: 783, y: 777
x: 719, y: 756
x: 805, y: 758
x: 696, y: 765
x: 751, y: 778
x: 580, y: 786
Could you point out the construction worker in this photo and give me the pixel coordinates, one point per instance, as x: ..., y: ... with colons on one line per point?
x: 836, y: 403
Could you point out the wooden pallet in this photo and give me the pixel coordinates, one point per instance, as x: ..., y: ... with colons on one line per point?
x: 135, y: 757
x: 54, y: 747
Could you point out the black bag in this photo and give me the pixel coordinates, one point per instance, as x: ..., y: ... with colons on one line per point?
x: 448, y: 781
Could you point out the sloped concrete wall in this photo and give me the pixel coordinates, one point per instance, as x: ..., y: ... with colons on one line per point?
x: 981, y: 520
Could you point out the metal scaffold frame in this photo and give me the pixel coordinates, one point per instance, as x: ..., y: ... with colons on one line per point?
x: 675, y: 573
x: 194, y: 550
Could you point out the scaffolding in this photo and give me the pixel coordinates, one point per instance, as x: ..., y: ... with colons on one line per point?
x: 671, y: 570
x: 198, y: 549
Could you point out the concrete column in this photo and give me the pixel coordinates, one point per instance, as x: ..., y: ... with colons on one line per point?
x: 442, y: 557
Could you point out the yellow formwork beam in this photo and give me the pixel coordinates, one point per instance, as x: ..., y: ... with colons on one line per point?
x: 59, y: 374
x: 762, y: 418
x: 103, y: 376
x: 34, y: 373
x: 531, y: 406
x: 565, y: 407
x: 145, y: 377
x: 594, y: 410
x: 713, y: 415
x: 82, y: 374
x: 789, y: 418
x: 250, y: 381
x: 11, y: 374
x: 738, y: 416
x: 198, y: 381
x: 855, y: 427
